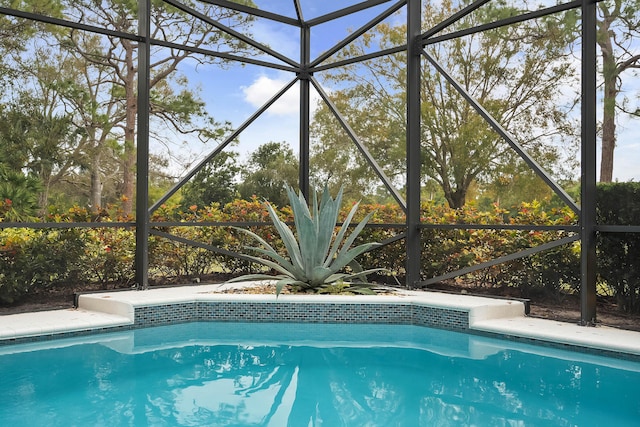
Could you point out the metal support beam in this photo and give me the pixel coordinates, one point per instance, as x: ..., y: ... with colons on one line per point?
x: 142, y: 146
x: 345, y: 11
x: 305, y: 111
x: 588, y: 167
x: 253, y: 11
x: 238, y: 35
x: 414, y: 164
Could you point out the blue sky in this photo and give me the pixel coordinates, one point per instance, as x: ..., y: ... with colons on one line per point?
x: 235, y: 93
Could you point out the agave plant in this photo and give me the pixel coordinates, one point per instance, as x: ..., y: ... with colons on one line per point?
x: 320, y: 254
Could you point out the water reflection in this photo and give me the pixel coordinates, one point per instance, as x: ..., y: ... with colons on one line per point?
x: 193, y: 382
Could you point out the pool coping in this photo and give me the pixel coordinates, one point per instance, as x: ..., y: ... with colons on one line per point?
x: 110, y: 311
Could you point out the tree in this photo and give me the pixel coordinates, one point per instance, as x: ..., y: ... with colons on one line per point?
x: 107, y: 81
x: 513, y: 72
x: 617, y: 37
x: 214, y: 183
x: 269, y: 168
x: 14, y: 32
x: 378, y: 123
x: 34, y: 138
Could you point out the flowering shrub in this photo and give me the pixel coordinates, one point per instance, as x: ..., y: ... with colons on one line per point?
x: 40, y: 258
x: 109, y: 256
x: 43, y: 258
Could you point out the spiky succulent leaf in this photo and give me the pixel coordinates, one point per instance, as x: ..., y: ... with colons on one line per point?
x: 252, y: 277
x: 318, y: 254
x: 319, y: 275
x: 298, y: 206
x: 327, y: 218
x: 269, y: 251
x: 363, y: 290
x: 288, y: 238
x: 271, y: 264
x: 340, y: 236
x: 354, y: 234
x: 284, y: 262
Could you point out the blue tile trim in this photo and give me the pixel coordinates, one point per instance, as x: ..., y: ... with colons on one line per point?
x: 240, y: 311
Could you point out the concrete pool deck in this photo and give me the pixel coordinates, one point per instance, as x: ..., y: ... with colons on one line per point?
x: 111, y: 310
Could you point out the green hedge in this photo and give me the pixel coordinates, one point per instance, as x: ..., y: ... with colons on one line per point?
x: 105, y: 256
x: 619, y: 253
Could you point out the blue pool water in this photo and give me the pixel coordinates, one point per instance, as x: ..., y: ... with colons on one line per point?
x: 244, y: 374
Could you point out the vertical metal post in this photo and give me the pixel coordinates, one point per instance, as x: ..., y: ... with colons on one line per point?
x: 413, y: 246
x: 142, y: 168
x: 588, y: 167
x: 305, y: 109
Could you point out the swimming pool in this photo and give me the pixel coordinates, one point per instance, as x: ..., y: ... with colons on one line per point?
x: 261, y: 374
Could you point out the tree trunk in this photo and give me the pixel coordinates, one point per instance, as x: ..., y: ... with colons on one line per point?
x: 457, y: 199
x: 43, y: 197
x: 129, y: 163
x: 95, y: 198
x: 129, y: 156
x: 610, y: 75
x: 608, y: 132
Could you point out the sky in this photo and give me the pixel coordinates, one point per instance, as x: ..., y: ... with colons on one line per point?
x: 235, y: 93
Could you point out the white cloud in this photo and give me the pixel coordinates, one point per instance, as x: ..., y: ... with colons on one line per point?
x: 282, y: 38
x: 264, y: 88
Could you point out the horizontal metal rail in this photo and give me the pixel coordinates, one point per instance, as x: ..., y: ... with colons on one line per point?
x: 522, y: 227
x: 618, y: 228
x: 519, y: 227
x: 41, y: 225
x: 69, y: 24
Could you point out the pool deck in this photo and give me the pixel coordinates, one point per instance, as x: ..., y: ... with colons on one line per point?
x: 103, y: 311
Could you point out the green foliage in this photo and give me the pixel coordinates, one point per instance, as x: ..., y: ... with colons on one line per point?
x: 268, y: 170
x: 110, y: 256
x: 315, y: 259
x: 38, y: 259
x: 459, y: 148
x: 618, y: 253
x: 213, y: 183
x: 19, y: 195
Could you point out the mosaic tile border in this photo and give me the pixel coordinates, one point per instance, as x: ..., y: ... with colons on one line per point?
x: 305, y: 312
